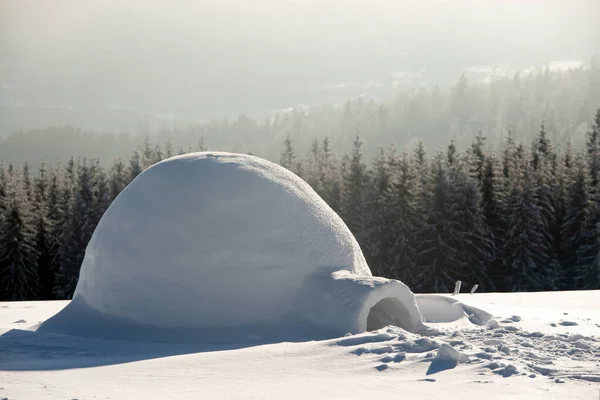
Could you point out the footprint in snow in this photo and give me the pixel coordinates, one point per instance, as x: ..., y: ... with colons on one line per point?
x: 568, y: 323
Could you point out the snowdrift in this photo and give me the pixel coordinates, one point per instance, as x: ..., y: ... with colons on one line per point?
x: 219, y: 246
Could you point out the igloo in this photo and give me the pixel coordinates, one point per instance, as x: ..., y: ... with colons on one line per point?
x: 221, y: 246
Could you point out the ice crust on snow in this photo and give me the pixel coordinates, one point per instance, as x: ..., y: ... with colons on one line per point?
x: 218, y: 244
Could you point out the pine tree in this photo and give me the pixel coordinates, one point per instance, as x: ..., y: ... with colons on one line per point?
x: 525, y: 253
x: 565, y: 173
x: 4, y: 177
x: 18, y: 252
x: 478, y: 157
x: 58, y: 212
x: 43, y: 239
x: 378, y: 234
x: 439, y: 265
x: 118, y: 179
x: 588, y: 258
x: 475, y: 244
x: 168, y: 149
x: 288, y: 155
x: 311, y: 170
x: 543, y: 173
x: 54, y: 219
x: 148, y: 156
x: 26, y: 181
x: 404, y: 219
x: 101, y: 193
x: 201, y: 146
x: 77, y: 232
x: 422, y: 171
x: 135, y: 166
x: 493, y: 200
x: 588, y: 267
x: 593, y: 152
x: 328, y: 176
x: 354, y: 192
x: 573, y: 228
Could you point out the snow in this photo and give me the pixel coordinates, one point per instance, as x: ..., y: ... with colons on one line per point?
x: 221, y: 247
x: 448, y: 353
x: 522, y: 357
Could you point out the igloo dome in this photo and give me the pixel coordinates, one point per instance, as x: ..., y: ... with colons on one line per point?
x: 216, y: 243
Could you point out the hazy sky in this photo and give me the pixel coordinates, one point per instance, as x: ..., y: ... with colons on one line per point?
x: 209, y: 56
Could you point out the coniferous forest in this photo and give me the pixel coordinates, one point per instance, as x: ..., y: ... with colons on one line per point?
x: 523, y: 217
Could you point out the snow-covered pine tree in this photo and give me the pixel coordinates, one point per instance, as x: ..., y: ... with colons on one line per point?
x: 525, y: 253
x: 423, y: 173
x: 377, y: 241
x: 26, y: 180
x: 70, y: 177
x: 403, y: 209
x: 101, y: 193
x: 493, y: 198
x: 54, y: 220
x: 135, y: 166
x: 476, y: 246
x: 18, y: 252
x: 201, y: 145
x: 564, y: 175
x: 288, y: 154
x: 169, y: 149
x: 329, y: 179
x: 158, y: 154
x: 588, y: 267
x: 543, y: 172
x: 354, y: 192
x: 4, y: 177
x: 43, y: 229
x: 575, y: 223
x: 438, y: 264
x: 509, y: 156
x: 420, y: 154
x: 593, y: 152
x: 148, y: 156
x: 311, y: 166
x: 58, y: 210
x: 477, y: 157
x: 76, y: 234
x: 118, y: 179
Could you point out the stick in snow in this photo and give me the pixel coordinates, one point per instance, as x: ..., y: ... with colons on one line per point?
x: 457, y: 288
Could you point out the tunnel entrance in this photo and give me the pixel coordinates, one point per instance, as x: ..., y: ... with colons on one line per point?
x: 389, y: 311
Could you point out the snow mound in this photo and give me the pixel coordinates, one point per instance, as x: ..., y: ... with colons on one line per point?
x: 448, y: 353
x: 444, y: 309
x: 229, y: 247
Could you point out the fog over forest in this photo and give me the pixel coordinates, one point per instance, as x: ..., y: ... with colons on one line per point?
x: 106, y: 65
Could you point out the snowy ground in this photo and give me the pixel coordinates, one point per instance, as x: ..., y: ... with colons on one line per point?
x: 541, y: 344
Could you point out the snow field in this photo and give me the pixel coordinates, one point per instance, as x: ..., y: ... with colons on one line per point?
x: 521, y: 356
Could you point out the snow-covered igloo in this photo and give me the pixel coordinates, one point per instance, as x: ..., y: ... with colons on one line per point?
x: 220, y: 246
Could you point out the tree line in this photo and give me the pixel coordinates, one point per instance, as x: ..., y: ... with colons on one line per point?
x: 524, y: 217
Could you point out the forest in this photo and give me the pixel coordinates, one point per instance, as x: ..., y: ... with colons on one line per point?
x: 521, y: 217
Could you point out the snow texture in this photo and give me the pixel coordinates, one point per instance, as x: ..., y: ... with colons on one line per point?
x: 521, y: 356
x: 227, y: 247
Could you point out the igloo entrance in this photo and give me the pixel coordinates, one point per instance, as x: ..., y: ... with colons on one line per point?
x: 389, y: 311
